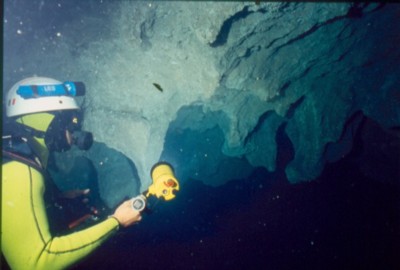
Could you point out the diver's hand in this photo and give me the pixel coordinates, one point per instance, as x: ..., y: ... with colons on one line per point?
x: 126, y: 215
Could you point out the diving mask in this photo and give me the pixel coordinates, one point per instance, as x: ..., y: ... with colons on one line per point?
x: 65, y: 131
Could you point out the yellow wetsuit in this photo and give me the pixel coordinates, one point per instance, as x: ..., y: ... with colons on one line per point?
x: 26, y: 239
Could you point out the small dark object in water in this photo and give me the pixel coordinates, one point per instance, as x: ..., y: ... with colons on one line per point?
x: 356, y: 10
x: 156, y: 85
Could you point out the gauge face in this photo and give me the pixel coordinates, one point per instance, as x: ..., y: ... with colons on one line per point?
x: 139, y: 203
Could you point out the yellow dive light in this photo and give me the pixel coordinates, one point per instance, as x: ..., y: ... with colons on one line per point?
x: 164, y: 185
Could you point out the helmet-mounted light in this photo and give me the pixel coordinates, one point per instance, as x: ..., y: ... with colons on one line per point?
x: 65, y: 89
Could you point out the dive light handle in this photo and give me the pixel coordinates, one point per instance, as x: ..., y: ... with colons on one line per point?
x: 139, y: 203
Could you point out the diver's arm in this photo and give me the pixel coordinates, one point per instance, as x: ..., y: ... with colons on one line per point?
x: 26, y: 239
x: 61, y: 252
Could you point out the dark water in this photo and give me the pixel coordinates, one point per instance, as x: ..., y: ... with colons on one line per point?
x: 342, y: 220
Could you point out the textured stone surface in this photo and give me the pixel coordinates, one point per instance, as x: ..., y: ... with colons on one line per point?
x: 231, y: 74
x: 108, y: 174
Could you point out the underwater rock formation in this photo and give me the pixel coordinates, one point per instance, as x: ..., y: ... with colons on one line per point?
x: 110, y: 176
x: 206, y: 86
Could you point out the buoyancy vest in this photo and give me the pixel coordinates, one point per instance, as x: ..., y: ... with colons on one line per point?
x: 17, y: 148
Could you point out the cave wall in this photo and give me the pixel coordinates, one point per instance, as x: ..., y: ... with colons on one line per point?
x: 230, y: 74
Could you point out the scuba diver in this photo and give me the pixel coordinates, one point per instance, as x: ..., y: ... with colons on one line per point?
x: 43, y: 117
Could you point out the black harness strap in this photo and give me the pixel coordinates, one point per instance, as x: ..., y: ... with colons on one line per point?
x: 9, y: 156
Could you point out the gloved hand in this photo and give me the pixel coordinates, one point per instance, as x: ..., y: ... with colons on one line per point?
x: 126, y: 215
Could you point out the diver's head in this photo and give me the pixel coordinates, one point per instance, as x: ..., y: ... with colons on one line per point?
x: 46, y: 108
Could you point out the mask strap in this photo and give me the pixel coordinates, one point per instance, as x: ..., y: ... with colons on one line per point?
x: 22, y: 130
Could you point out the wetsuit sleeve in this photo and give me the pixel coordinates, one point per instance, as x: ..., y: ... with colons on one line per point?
x: 26, y: 239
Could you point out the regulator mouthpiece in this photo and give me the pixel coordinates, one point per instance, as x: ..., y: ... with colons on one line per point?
x: 65, y: 89
x: 82, y: 139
